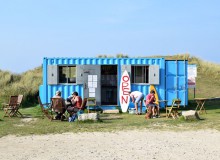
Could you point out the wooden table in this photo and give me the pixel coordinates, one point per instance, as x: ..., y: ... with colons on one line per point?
x: 200, y: 104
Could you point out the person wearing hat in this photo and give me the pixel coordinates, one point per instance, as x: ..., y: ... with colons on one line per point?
x: 60, y: 115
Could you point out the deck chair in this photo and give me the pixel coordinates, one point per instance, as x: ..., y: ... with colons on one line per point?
x: 57, y: 105
x: 173, y: 109
x: 83, y: 106
x: 91, y: 104
x: 46, y: 109
x: 16, y: 111
x: 11, y: 108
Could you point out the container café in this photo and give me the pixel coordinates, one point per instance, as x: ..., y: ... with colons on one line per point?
x: 102, y: 79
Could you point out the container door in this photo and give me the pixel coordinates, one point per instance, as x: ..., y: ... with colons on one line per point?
x: 89, y: 76
x: 176, y: 81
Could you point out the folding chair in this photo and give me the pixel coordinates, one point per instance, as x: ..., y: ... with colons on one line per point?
x: 46, y: 109
x: 11, y: 108
x: 58, y: 106
x: 83, y: 106
x: 173, y: 109
x: 17, y: 112
x: 92, y: 106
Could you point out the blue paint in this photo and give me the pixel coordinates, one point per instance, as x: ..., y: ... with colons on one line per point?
x: 173, y: 75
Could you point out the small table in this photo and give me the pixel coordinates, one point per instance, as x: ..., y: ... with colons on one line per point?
x: 200, y: 104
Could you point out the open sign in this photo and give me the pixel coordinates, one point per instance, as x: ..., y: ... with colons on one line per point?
x: 125, y: 88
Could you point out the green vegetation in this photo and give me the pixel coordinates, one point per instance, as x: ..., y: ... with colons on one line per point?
x: 34, y: 123
x: 26, y: 84
x: 207, y: 85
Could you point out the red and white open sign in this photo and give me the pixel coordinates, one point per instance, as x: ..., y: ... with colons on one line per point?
x: 191, y: 82
x: 192, y: 74
x: 125, y: 88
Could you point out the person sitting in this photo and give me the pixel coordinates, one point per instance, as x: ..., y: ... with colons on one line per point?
x: 68, y: 101
x: 59, y: 115
x: 76, y: 102
x: 151, y: 105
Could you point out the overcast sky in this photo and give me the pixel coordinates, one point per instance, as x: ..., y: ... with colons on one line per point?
x: 33, y: 29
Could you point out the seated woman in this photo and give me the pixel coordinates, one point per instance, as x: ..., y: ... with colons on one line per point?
x: 151, y: 105
x: 76, y: 102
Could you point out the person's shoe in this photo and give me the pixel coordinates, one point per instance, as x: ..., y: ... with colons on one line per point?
x: 57, y: 117
x: 158, y: 116
x: 154, y: 117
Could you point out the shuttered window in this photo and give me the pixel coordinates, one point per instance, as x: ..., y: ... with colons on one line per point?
x: 140, y: 74
x: 67, y: 74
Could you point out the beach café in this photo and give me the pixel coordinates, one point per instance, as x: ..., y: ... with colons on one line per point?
x: 108, y: 80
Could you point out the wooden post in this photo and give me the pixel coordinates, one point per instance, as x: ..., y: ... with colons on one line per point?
x: 194, y: 92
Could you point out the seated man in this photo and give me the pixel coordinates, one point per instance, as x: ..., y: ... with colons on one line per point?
x: 76, y: 104
x: 150, y: 103
x: 60, y: 115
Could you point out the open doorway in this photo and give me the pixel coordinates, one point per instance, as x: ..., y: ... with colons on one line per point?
x: 109, y: 85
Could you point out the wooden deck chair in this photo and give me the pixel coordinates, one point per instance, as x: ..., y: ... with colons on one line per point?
x: 173, y: 109
x: 91, y: 104
x: 46, y: 109
x: 16, y: 111
x: 10, y: 108
x: 83, y: 106
x: 57, y: 105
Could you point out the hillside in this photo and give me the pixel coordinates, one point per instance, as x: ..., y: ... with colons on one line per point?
x: 26, y: 83
x: 207, y: 81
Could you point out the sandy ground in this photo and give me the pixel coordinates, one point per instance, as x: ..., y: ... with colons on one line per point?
x: 142, y: 145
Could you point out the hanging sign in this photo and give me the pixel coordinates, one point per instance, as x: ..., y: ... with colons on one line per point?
x: 125, y: 88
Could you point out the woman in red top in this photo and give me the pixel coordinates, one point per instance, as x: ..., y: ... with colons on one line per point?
x: 150, y: 103
x: 76, y: 104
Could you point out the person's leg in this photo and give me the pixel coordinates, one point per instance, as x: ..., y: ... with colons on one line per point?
x: 70, y: 110
x: 141, y: 107
x: 158, y: 111
x: 154, y: 111
x: 139, y: 99
x: 136, y: 107
x: 141, y: 102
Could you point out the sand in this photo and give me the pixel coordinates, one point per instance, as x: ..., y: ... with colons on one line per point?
x: 136, y: 144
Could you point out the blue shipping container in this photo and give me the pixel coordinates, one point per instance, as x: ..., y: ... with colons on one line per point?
x: 100, y: 78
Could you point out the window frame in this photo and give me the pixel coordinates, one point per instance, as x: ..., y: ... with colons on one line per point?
x: 67, y: 74
x: 145, y: 71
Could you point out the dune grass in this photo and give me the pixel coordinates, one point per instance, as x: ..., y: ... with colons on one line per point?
x: 207, y: 85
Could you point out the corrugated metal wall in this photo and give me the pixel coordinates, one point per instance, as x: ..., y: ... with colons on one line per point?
x: 47, y: 91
